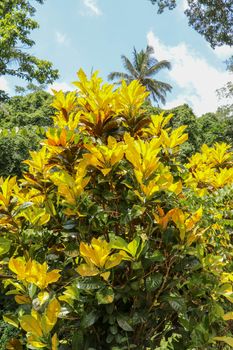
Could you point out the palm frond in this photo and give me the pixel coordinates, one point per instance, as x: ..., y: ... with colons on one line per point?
x: 119, y: 75
x: 158, y: 67
x: 149, y: 50
x: 158, y: 89
x: 129, y: 66
x: 135, y: 59
x: 143, y: 67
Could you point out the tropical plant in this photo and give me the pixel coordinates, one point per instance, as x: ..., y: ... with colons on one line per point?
x: 143, y: 68
x: 183, y: 115
x: 110, y: 242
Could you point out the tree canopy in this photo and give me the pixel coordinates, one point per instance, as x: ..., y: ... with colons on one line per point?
x: 22, y: 120
x: 212, y: 19
x: 16, y: 24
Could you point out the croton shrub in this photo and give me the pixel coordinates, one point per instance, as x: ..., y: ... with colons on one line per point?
x: 108, y: 241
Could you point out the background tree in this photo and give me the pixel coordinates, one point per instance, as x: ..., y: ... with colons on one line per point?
x: 16, y: 23
x: 226, y: 92
x: 212, y: 19
x: 23, y: 120
x: 143, y: 68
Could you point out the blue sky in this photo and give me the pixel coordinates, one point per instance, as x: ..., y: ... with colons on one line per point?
x: 93, y: 34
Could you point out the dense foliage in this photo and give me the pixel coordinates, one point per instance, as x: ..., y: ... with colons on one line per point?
x: 22, y: 121
x: 212, y: 19
x: 109, y: 241
x: 16, y: 24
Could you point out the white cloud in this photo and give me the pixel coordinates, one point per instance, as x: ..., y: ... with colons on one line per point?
x: 92, y: 7
x: 59, y: 86
x: 196, y: 78
x: 61, y: 38
x: 4, y: 85
x: 184, y: 5
x: 223, y: 51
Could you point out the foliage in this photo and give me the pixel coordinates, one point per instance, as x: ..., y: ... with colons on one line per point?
x: 183, y: 115
x: 212, y: 19
x: 109, y: 241
x: 213, y: 127
x: 27, y: 110
x: 217, y: 127
x: 16, y: 23
x: 226, y: 92
x: 22, y: 121
x: 143, y: 68
x: 14, y: 148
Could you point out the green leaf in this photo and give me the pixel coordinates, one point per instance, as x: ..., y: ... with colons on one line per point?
x: 105, y: 296
x: 153, y: 282
x: 109, y: 308
x: 32, y: 290
x: 89, y: 283
x: 118, y: 243
x: 113, y: 330
x: 133, y: 246
x: 11, y: 319
x: 89, y: 319
x: 155, y: 256
x: 137, y: 211
x: 77, y: 340
x: 177, y: 303
x: 123, y: 323
x: 109, y: 338
x: 4, y: 245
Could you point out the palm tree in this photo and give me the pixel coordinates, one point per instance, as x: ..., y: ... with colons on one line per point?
x: 143, y: 68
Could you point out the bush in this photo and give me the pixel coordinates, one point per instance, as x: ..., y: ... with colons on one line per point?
x: 108, y: 241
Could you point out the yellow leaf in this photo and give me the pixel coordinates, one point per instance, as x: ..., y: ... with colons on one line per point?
x: 106, y: 171
x: 55, y: 342
x: 158, y: 122
x: 105, y: 275
x: 22, y: 299
x: 96, y: 253
x: 191, y: 222
x: 228, y: 316
x: 52, y: 311
x: 112, y: 261
x: 52, y: 276
x: 18, y: 266
x: 179, y: 219
x: 87, y: 270
x: 43, y: 297
x: 31, y: 325
x: 11, y: 319
x: 35, y: 343
x: 227, y: 340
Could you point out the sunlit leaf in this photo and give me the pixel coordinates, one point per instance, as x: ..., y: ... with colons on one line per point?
x: 31, y: 325
x: 227, y: 340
